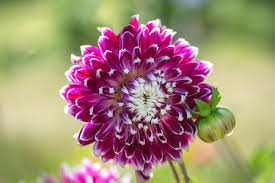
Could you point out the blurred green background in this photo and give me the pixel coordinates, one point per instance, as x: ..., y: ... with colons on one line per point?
x: 38, y: 36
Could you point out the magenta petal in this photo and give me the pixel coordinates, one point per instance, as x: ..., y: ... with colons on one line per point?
x: 184, y: 142
x: 188, y: 68
x: 173, y: 125
x: 135, y: 21
x: 172, y: 63
x: 72, y: 109
x: 174, y: 141
x: 143, y: 40
x: 89, y: 49
x: 88, y: 61
x: 189, y: 127
x: 121, y: 159
x: 204, y: 68
x: 126, y: 60
x: 154, y: 36
x: 197, y: 78
x: 130, y: 140
x: 167, y: 52
x: 146, y: 153
x: 157, y: 152
x: 153, y: 24
x: 112, y: 60
x: 83, y: 142
x: 105, y: 31
x: 75, y: 92
x: 181, y: 44
x: 128, y: 41
x: 84, y: 115
x: 70, y: 74
x: 105, y: 43
x: 172, y: 74
x: 130, y: 150
x: 118, y: 145
x: 148, y: 169
x: 173, y: 154
x: 81, y: 75
x: 93, y: 84
x: 104, y: 133
x: 150, y: 52
x: 137, y: 160
x: 204, y: 93
x: 129, y: 28
x: 192, y: 90
x: 101, y: 148
x: 101, y: 117
x: 76, y: 60
x: 141, y: 137
x: 108, y: 156
x: 89, y: 131
x: 166, y: 37
x: 88, y: 100
x: 98, y: 64
x: 188, y: 53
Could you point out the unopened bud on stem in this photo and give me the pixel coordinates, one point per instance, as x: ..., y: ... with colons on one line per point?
x: 215, y: 126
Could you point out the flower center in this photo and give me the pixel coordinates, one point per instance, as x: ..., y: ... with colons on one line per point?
x: 145, y: 99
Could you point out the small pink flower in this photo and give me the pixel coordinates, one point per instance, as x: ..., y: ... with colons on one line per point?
x: 131, y: 92
x: 86, y: 173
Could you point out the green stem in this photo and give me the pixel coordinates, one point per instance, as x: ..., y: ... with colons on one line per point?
x: 174, y: 171
x: 184, y: 172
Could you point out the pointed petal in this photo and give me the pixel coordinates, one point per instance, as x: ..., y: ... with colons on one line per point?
x: 128, y: 41
x: 118, y: 145
x: 172, y: 153
x: 105, y: 43
x: 172, y: 124
x: 105, y: 31
x: 89, y: 131
x: 135, y: 21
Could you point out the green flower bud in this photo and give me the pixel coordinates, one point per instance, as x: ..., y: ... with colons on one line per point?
x: 216, y: 125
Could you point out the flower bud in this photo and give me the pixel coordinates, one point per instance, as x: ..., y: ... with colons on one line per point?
x: 216, y: 125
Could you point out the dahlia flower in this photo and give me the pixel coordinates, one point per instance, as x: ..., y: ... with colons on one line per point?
x: 86, y: 173
x: 131, y: 93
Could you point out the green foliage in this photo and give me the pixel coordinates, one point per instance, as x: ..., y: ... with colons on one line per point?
x: 262, y: 165
x: 206, y: 108
x: 215, y: 99
x: 203, y: 107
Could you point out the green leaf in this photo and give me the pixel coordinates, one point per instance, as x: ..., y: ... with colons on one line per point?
x: 203, y: 107
x: 194, y: 113
x: 215, y: 99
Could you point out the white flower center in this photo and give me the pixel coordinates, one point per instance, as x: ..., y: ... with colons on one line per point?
x: 146, y: 100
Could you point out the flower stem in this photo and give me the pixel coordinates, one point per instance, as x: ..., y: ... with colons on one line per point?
x: 174, y: 171
x: 184, y: 172
x: 139, y: 179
